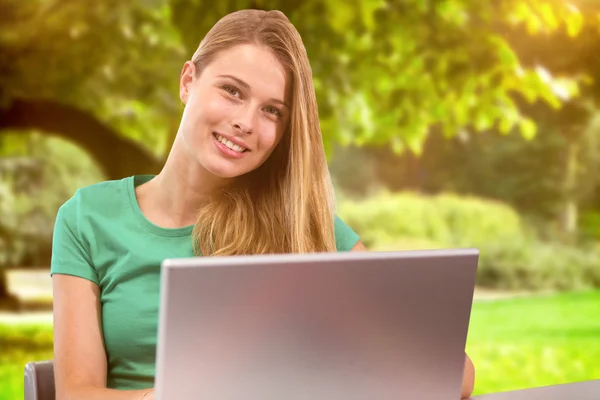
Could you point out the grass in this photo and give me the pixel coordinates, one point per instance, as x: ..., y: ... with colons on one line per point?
x: 514, y: 344
x: 535, y: 341
x: 19, y: 345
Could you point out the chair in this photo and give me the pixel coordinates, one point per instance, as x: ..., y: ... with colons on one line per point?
x: 39, y: 381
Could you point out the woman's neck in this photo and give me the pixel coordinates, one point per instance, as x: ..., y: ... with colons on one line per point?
x: 172, y: 198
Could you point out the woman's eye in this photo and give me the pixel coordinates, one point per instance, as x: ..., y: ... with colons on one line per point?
x: 273, y: 110
x: 231, y: 90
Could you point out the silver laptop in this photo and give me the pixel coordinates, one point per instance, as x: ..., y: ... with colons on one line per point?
x: 340, y: 326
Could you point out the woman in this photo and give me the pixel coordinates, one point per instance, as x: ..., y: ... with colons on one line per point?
x: 247, y: 174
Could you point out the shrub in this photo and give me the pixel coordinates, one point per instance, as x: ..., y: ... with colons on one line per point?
x: 535, y: 265
x: 446, y: 220
x: 589, y: 224
x: 511, y: 257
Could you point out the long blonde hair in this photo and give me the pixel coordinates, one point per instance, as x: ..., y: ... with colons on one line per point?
x: 287, y: 204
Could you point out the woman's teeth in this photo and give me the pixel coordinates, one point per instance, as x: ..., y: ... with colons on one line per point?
x: 230, y: 144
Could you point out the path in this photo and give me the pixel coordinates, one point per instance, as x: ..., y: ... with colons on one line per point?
x: 45, y: 317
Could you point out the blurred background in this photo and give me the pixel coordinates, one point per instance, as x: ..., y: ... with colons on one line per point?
x: 447, y: 124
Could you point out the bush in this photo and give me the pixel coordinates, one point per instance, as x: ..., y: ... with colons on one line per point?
x: 590, y: 226
x: 535, y: 265
x: 511, y: 257
x: 446, y: 220
x: 30, y: 336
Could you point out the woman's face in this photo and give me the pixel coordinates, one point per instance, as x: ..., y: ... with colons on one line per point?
x: 236, y: 111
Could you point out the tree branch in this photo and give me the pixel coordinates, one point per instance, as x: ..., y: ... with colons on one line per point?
x: 117, y: 156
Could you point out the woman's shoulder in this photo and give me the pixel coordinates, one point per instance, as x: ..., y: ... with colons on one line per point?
x: 80, y: 224
x: 98, y: 197
x: 345, y: 237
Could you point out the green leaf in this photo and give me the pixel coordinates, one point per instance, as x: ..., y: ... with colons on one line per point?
x: 439, y: 111
x: 368, y: 10
x: 398, y: 145
x: 574, y: 21
x: 483, y: 122
x: 506, y: 125
x: 550, y: 18
x: 415, y: 137
x: 341, y: 14
x: 528, y: 128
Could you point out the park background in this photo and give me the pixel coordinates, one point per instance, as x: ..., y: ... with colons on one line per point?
x: 450, y: 123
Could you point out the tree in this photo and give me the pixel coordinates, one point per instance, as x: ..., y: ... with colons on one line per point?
x: 60, y: 60
x: 556, y: 53
x: 551, y: 175
x: 102, y: 142
x: 385, y: 72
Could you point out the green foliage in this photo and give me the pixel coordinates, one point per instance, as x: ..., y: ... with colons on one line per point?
x: 353, y: 171
x: 118, y: 60
x: 528, y: 175
x: 385, y: 72
x: 441, y: 64
x: 531, y: 265
x: 446, y: 220
x: 38, y: 174
x: 31, y: 336
x: 511, y: 258
x: 590, y: 226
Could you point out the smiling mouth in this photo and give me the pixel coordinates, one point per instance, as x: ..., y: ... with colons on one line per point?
x: 229, y: 144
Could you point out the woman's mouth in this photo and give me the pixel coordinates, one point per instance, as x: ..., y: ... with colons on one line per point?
x: 229, y: 144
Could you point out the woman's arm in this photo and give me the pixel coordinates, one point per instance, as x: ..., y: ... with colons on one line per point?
x: 79, y: 354
x: 359, y: 247
x: 468, y: 382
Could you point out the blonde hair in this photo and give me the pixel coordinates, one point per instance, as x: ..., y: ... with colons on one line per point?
x: 287, y: 204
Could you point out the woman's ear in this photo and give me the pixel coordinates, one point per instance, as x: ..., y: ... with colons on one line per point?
x: 186, y: 80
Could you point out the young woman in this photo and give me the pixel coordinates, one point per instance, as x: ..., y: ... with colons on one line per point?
x: 247, y: 174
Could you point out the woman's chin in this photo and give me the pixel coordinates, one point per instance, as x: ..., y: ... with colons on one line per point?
x: 226, y: 169
x: 226, y: 172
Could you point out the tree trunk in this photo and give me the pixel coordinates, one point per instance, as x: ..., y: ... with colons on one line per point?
x: 7, y: 301
x: 569, y: 213
x: 117, y: 156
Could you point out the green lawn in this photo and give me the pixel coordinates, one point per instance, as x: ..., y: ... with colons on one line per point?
x: 18, y: 345
x: 516, y: 343
x: 527, y: 342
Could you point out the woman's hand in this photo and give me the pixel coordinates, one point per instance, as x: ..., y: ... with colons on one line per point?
x: 148, y: 395
x: 468, y: 378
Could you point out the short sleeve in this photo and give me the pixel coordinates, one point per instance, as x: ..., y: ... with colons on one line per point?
x: 69, y: 256
x: 345, y: 237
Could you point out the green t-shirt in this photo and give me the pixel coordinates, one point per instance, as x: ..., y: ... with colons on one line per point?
x: 101, y: 235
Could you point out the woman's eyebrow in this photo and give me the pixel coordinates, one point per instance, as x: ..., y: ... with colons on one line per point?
x: 247, y: 87
x: 283, y: 103
x: 238, y: 80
